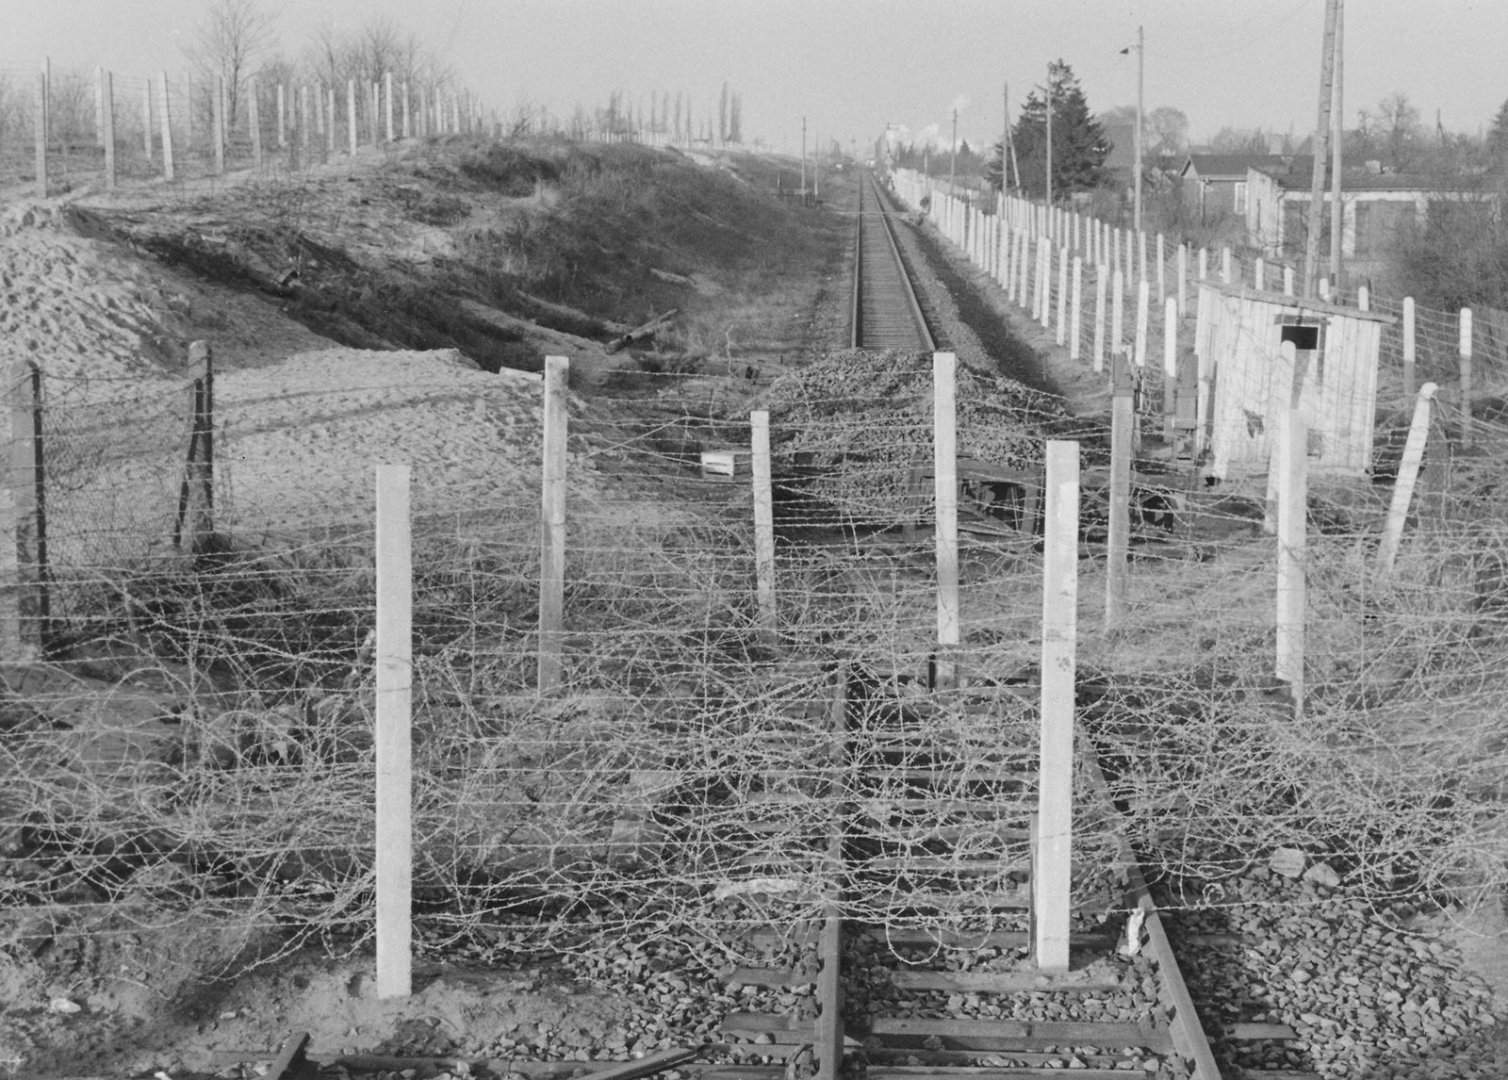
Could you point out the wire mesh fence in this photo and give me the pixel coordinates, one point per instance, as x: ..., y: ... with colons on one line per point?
x: 167, y: 123
x: 200, y: 746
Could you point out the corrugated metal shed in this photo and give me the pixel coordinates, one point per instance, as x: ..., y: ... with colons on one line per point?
x: 1244, y: 381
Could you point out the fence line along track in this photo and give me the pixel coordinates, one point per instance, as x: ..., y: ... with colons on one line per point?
x: 885, y: 313
x: 939, y: 979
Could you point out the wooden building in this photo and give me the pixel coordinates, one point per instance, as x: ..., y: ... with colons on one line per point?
x: 1244, y: 381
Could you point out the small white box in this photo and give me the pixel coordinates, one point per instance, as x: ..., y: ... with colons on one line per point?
x: 727, y: 464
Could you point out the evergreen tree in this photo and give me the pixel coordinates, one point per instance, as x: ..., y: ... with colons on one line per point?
x: 1497, y: 136
x: 1079, y: 145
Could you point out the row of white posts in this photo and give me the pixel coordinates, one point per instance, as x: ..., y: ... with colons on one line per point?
x: 1053, y: 837
x: 303, y: 112
x: 1019, y: 243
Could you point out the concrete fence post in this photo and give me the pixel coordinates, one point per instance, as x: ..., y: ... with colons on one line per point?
x: 1409, y: 346
x: 39, y: 115
x: 387, y: 90
x: 282, y: 116
x: 146, y: 118
x: 1101, y: 278
x: 1403, y: 487
x: 1051, y: 884
x: 351, y: 115
x: 254, y: 121
x: 217, y: 124
x: 393, y: 660
x: 107, y: 124
x: 945, y: 498
x: 1464, y: 349
x: 1076, y: 319
x: 167, y: 130
x: 553, y: 526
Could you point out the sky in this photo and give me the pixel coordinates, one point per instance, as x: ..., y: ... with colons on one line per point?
x: 852, y: 67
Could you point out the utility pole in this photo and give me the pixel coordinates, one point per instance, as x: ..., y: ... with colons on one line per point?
x: 1141, y: 58
x: 1049, y: 135
x: 1337, y: 135
x: 1005, y: 140
x: 953, y: 156
x: 1321, y: 150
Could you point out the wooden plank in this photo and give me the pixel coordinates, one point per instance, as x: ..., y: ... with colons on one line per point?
x: 964, y: 1061
x: 922, y: 1072
x: 290, y: 1060
x: 969, y: 939
x: 752, y: 976
x: 1248, y: 1032
x: 1002, y: 982
x: 1005, y: 1034
x: 766, y: 1023
x: 1052, y: 886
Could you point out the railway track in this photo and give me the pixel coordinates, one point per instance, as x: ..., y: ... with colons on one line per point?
x: 935, y: 978
x: 885, y: 312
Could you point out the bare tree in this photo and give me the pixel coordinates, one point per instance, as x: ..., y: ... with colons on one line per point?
x: 233, y: 34
x: 1397, y: 123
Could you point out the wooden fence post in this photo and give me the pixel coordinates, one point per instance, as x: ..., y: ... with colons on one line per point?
x: 945, y: 491
x: 1466, y: 376
x: 1288, y: 285
x: 1076, y: 319
x: 196, y: 495
x: 1403, y: 486
x: 1363, y: 297
x: 107, y: 124
x: 1293, y: 508
x: 1122, y: 422
x: 1204, y: 264
x: 1259, y: 274
x: 167, y: 130
x: 217, y: 124
x: 1052, y: 883
x: 764, y: 522
x: 1409, y: 346
x: 553, y: 525
x: 394, y: 674
x: 39, y: 114
x: 1226, y: 273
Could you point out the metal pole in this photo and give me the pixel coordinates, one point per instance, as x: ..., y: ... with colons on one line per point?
x: 1337, y: 134
x: 1049, y: 135
x: 953, y: 156
x: 1140, y: 66
x: 1321, y: 150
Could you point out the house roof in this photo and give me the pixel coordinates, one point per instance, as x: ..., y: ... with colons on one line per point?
x: 1296, y: 173
x: 1225, y: 166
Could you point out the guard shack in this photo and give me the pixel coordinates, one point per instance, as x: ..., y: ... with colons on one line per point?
x: 1245, y: 384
